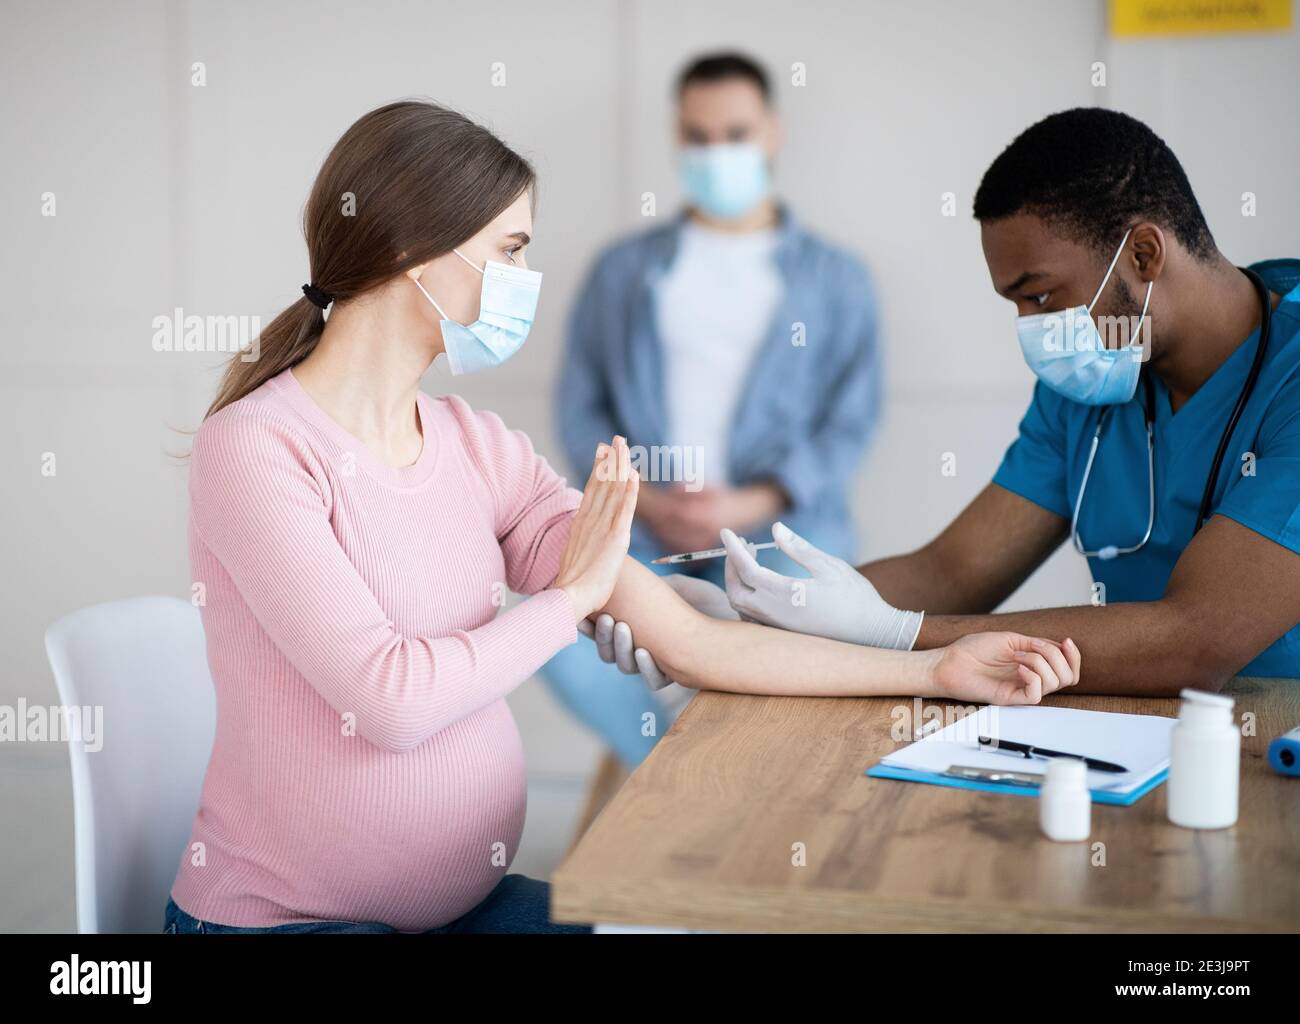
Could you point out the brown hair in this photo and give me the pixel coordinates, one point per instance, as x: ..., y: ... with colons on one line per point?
x: 422, y: 179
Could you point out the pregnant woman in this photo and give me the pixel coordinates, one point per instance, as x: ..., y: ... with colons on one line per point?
x: 355, y: 539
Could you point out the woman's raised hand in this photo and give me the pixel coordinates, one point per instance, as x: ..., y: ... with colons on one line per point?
x: 1005, y: 668
x: 602, y: 530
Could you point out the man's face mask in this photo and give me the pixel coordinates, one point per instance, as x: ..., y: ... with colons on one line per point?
x: 507, y: 304
x: 1065, y: 350
x: 724, y: 180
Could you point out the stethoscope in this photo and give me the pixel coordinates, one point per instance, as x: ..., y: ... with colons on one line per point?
x: 1149, y: 414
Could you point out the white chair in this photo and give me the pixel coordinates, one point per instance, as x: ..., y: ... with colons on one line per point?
x: 144, y: 661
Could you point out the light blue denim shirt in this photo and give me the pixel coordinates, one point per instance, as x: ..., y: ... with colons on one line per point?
x: 805, y: 414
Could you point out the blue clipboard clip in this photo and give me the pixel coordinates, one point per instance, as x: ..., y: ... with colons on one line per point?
x: 971, y: 773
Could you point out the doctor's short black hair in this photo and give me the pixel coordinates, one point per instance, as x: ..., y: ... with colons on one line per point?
x: 716, y: 67
x: 1095, y: 173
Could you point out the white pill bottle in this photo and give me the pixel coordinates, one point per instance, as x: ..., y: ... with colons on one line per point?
x: 1064, y: 803
x: 1204, y: 762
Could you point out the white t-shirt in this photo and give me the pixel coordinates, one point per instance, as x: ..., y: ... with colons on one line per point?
x: 713, y: 309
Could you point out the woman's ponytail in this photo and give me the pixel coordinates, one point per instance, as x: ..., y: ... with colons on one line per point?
x: 286, y: 341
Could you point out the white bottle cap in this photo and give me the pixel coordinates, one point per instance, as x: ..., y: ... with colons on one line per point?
x: 1205, y: 709
x: 1067, y: 772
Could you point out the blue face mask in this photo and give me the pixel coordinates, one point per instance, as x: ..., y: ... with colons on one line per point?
x: 1067, y: 353
x: 506, y: 307
x: 725, y: 180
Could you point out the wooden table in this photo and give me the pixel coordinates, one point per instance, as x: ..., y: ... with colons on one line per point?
x: 707, y: 835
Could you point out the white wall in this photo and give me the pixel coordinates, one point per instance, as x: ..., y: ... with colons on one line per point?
x: 170, y: 195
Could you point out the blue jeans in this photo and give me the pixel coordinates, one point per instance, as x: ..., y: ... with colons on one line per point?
x: 614, y: 705
x: 518, y: 905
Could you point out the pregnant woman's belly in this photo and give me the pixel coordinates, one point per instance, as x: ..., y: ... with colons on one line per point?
x: 343, y: 830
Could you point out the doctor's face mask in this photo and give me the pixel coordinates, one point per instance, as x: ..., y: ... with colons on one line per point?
x: 1067, y: 352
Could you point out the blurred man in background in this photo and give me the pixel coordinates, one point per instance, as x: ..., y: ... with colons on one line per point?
x: 738, y: 354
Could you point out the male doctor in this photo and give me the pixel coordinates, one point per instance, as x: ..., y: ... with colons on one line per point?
x: 1162, y: 440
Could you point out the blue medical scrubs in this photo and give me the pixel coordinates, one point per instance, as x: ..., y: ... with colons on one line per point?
x: 1045, y: 465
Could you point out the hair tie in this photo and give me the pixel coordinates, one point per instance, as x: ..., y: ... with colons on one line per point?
x: 316, y: 296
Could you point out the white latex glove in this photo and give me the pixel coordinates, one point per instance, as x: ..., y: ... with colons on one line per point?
x: 614, y: 642
x: 837, y: 602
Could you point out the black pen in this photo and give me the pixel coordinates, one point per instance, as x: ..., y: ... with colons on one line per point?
x: 1028, y: 750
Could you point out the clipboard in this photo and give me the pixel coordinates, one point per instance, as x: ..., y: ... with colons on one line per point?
x: 1099, y: 796
x: 1139, y: 742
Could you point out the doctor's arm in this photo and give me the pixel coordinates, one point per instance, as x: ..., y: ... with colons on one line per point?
x: 744, y: 657
x: 992, y: 546
x: 1232, y: 594
x: 971, y: 567
x: 977, y: 561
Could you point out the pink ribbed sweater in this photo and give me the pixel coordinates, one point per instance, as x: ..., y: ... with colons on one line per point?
x: 366, y: 765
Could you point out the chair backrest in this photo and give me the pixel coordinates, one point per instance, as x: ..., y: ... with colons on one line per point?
x: 144, y: 662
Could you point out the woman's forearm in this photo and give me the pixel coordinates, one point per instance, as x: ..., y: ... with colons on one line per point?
x: 744, y: 657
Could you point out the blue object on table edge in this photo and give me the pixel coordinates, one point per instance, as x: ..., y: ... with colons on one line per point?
x: 1289, y: 741
x: 1099, y: 796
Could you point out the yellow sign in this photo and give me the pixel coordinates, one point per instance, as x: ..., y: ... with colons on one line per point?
x: 1197, y: 17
